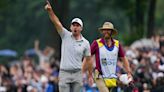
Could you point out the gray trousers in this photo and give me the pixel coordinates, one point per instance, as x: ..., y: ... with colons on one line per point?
x: 70, y: 81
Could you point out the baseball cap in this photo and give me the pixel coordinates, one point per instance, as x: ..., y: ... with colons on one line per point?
x: 77, y: 20
x: 124, y: 79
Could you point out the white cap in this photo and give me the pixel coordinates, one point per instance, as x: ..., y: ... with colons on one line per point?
x: 29, y: 88
x: 153, y: 59
x: 43, y: 79
x: 160, y: 74
x: 3, y: 89
x: 135, y: 61
x: 124, y: 79
x: 77, y: 20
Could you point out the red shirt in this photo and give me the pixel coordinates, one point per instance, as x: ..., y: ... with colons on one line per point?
x: 95, y: 50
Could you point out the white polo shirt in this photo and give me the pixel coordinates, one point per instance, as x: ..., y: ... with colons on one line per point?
x: 73, y: 51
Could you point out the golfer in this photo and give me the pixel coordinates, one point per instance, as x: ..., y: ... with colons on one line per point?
x: 75, y: 53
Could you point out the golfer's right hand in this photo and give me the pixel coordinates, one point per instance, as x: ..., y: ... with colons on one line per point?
x: 48, y: 6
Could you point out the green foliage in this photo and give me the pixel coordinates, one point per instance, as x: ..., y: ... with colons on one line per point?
x: 21, y: 23
x: 160, y: 15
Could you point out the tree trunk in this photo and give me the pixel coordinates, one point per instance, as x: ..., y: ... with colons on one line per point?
x: 62, y: 10
x: 151, y: 18
x: 139, y: 18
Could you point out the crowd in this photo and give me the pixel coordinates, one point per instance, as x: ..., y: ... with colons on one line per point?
x: 28, y: 75
x: 147, y: 64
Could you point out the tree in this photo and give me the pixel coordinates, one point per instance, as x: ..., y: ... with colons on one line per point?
x: 151, y: 18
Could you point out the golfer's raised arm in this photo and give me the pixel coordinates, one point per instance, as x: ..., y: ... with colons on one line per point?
x: 53, y: 17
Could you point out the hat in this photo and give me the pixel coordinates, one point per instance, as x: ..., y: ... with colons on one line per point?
x: 124, y: 79
x: 109, y: 25
x: 43, y: 79
x: 77, y: 20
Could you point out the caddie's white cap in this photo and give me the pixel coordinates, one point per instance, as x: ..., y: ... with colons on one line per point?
x: 77, y: 20
x: 124, y: 79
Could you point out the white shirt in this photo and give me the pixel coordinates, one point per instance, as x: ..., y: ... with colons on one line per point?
x: 73, y: 51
